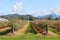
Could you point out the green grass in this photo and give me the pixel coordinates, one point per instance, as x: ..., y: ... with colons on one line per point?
x: 29, y: 37
x: 30, y: 29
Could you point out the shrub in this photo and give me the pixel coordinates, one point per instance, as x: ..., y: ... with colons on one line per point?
x: 41, y: 24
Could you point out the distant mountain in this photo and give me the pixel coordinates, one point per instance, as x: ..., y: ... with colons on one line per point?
x: 58, y: 16
x: 41, y: 17
x: 10, y: 16
x: 52, y: 15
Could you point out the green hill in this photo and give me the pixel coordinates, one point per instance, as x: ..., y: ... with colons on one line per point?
x: 24, y: 17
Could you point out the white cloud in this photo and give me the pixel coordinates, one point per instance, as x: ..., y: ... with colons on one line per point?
x: 56, y: 11
x: 42, y: 12
x: 18, y: 6
x: 38, y: 13
x: 28, y: 13
x: 47, y: 12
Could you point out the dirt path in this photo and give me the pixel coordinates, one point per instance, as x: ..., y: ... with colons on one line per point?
x: 7, y: 28
x: 22, y: 30
x: 52, y: 33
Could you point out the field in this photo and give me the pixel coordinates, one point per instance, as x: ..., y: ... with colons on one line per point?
x: 32, y: 30
x: 49, y: 27
x: 29, y: 37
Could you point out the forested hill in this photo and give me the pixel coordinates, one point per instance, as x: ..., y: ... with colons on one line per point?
x: 24, y: 17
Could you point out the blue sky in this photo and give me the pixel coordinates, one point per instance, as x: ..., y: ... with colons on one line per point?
x: 33, y: 7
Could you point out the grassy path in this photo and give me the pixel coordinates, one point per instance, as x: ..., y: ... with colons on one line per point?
x: 29, y: 37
